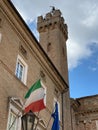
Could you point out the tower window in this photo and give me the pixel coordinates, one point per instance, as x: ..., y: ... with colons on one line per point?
x: 63, y: 50
x: 48, y: 47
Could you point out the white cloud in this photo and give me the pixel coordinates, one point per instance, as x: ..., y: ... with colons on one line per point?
x: 76, y: 53
x: 91, y: 15
x: 81, y: 17
x: 93, y: 69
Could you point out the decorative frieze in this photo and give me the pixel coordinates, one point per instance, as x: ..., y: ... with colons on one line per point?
x: 23, y: 51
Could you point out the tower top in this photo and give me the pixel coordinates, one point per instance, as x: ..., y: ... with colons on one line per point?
x: 52, y: 19
x: 53, y: 9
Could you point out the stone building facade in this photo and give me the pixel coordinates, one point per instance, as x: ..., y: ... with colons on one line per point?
x: 85, y: 113
x: 24, y: 60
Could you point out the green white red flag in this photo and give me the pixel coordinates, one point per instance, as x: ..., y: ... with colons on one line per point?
x: 35, y: 98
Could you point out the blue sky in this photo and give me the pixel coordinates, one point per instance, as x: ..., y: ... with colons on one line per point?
x: 82, y: 45
x: 84, y: 78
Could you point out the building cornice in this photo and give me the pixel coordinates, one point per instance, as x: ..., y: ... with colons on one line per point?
x: 84, y: 112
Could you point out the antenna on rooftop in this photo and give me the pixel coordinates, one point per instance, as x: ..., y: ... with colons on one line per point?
x: 53, y: 9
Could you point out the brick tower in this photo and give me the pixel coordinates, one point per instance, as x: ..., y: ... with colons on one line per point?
x: 53, y: 36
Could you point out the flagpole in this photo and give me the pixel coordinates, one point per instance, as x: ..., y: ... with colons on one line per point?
x: 48, y: 122
x: 37, y: 121
x: 38, y: 117
x: 52, y: 112
x: 50, y: 118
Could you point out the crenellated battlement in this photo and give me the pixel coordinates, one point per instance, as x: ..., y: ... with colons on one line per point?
x: 52, y: 20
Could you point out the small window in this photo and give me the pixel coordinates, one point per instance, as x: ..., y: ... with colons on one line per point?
x: 21, y: 69
x: 63, y: 50
x: 49, y: 47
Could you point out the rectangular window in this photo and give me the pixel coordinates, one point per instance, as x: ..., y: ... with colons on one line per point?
x: 14, y: 116
x: 12, y: 121
x: 21, y: 69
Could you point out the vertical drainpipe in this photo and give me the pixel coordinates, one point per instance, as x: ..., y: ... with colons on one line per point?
x: 62, y: 112
x: 71, y: 118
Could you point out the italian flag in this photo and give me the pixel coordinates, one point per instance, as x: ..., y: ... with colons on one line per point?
x: 35, y: 98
